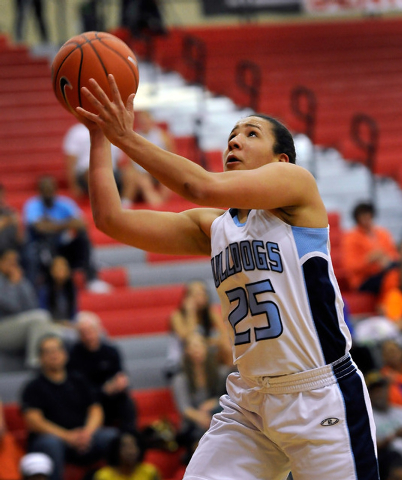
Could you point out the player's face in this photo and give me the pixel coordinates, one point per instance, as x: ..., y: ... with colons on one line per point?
x: 250, y: 145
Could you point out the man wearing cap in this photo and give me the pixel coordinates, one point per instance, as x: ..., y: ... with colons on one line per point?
x: 62, y: 413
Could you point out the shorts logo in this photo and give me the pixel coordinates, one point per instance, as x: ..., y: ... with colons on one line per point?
x: 328, y: 422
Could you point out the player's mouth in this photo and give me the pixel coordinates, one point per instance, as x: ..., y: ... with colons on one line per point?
x: 231, y: 159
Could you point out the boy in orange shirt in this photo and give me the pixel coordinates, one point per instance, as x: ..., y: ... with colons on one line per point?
x: 369, y: 251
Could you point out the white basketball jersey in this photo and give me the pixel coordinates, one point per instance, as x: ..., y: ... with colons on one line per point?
x: 279, y: 293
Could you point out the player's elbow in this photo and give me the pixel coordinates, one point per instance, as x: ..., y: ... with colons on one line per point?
x: 103, y: 221
x: 200, y: 192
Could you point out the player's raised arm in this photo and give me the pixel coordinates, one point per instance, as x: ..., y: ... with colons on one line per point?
x: 165, y: 232
x: 255, y: 176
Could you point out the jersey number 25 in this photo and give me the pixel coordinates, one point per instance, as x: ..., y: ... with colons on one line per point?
x: 248, y: 301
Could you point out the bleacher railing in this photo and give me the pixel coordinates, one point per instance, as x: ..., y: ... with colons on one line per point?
x: 365, y: 135
x: 303, y: 103
x: 249, y: 79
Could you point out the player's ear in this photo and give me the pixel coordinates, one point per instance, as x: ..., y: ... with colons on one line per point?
x: 282, y: 157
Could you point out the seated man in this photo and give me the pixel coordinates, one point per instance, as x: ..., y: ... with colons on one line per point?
x: 76, y: 147
x: 55, y: 226
x: 99, y: 362
x: 147, y: 187
x: 62, y: 413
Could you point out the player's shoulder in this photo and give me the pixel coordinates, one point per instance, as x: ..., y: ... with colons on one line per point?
x: 294, y: 169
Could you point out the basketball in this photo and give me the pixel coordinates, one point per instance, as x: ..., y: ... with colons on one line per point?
x: 93, y: 55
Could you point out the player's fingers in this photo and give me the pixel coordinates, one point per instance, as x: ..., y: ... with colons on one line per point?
x: 130, y: 103
x: 87, y: 118
x: 89, y: 115
x: 100, y: 94
x: 92, y: 99
x: 115, y: 90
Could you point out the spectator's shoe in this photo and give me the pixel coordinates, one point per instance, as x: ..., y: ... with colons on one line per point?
x: 98, y: 286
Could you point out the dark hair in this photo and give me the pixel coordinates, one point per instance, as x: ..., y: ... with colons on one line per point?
x: 51, y: 292
x: 113, y: 456
x: 361, y: 208
x: 284, y: 139
x: 211, y: 368
x: 44, y: 338
x: 204, y: 315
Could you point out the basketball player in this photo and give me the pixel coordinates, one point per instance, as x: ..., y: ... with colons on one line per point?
x: 298, y: 402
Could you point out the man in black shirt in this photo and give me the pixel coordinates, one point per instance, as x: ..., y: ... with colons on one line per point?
x: 63, y: 415
x: 100, y: 363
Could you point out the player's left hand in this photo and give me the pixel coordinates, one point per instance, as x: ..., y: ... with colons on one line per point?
x: 114, y: 118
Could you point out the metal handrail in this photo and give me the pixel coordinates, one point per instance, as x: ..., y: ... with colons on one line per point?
x: 300, y: 97
x: 368, y: 143
x: 249, y: 79
x: 195, y: 56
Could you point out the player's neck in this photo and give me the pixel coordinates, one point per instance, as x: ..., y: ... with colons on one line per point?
x: 242, y: 215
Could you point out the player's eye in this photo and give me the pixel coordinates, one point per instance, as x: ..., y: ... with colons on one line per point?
x: 252, y: 133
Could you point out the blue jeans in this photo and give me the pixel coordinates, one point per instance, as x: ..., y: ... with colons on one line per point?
x: 60, y: 452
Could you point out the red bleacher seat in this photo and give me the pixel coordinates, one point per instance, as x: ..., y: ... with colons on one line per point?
x: 115, y: 276
x: 136, y: 321
x: 126, y: 297
x: 161, y: 257
x: 134, y: 311
x: 360, y: 303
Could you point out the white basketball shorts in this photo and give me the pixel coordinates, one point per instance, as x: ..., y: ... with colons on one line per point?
x: 317, y: 424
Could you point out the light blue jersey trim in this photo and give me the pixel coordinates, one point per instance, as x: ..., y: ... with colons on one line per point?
x: 310, y: 240
x: 236, y: 221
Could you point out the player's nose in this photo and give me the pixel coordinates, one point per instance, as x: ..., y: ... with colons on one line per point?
x: 234, y: 142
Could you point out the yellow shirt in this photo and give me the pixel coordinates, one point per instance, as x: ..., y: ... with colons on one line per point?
x: 144, y: 471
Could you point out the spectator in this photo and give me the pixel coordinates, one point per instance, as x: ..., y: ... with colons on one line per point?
x: 369, y: 251
x: 92, y: 17
x: 36, y: 466
x: 63, y: 415
x: 388, y: 421
x: 22, y: 322
x: 58, y: 294
x: 10, y: 452
x: 125, y: 460
x: 76, y: 148
x: 392, y: 369
x: 10, y: 233
x: 391, y: 297
x: 197, y: 314
x: 142, y: 17
x: 55, y: 226
x: 197, y: 389
x: 147, y: 188
x: 100, y: 364
x: 22, y: 8
x: 395, y: 470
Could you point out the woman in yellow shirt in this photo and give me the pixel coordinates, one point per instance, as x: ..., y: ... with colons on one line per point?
x: 125, y: 461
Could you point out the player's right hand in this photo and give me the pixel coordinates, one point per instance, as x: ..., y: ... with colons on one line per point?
x: 114, y: 118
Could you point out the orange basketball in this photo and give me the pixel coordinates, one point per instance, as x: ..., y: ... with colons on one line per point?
x: 92, y: 55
